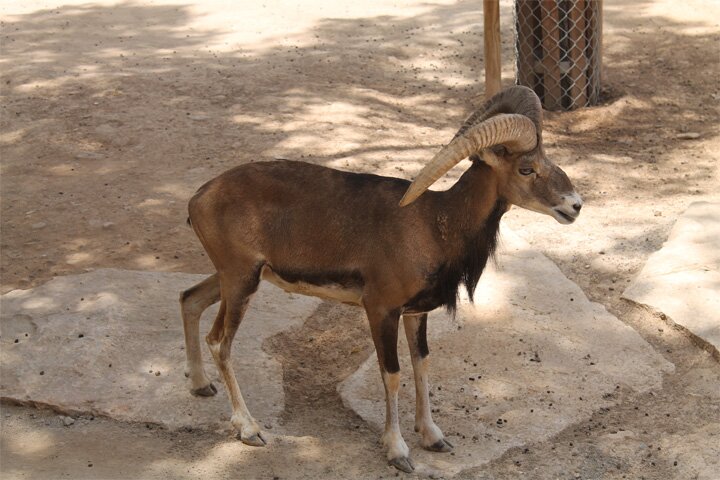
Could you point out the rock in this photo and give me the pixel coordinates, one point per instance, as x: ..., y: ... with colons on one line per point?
x: 67, y: 421
x: 131, y: 320
x: 681, y: 279
x: 522, y: 306
x: 38, y: 225
x: 687, y: 136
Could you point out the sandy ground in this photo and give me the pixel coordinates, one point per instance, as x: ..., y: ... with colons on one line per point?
x: 114, y: 113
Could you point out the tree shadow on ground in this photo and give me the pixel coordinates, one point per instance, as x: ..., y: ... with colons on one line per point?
x: 113, y: 116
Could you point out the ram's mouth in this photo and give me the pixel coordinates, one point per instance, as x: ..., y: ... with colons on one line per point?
x: 563, y: 217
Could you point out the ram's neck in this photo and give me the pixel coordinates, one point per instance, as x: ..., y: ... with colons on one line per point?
x: 472, y: 200
x: 472, y: 210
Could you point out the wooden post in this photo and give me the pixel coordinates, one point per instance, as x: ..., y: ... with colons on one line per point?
x: 491, y: 13
x: 551, y: 55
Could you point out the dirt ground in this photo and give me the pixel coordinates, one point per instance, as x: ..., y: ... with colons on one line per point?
x: 114, y: 113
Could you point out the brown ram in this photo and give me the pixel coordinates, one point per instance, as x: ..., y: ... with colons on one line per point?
x: 342, y: 236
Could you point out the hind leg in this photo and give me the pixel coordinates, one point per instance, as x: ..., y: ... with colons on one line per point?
x: 235, y: 301
x: 193, y: 303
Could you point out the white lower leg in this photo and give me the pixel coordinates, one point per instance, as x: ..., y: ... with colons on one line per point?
x: 193, y: 366
x: 196, y: 372
x: 429, y: 431
x: 241, y: 418
x: 392, y: 437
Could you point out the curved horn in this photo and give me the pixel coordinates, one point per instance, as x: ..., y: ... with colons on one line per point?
x: 517, y: 132
x: 515, y: 99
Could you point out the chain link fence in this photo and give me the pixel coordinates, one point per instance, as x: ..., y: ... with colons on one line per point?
x: 557, y: 50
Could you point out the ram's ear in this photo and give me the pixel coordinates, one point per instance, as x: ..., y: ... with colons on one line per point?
x: 492, y: 158
x: 500, y: 151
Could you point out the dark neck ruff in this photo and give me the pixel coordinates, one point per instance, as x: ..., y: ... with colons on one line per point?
x: 468, y: 268
x: 465, y: 269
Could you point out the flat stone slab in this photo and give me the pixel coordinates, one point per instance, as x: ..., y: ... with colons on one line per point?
x: 111, y: 342
x: 531, y: 357
x: 682, y: 279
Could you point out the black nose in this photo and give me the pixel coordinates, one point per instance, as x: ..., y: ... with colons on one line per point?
x: 577, y: 206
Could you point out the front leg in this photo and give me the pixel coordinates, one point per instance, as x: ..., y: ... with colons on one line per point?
x: 416, y: 333
x: 384, y: 329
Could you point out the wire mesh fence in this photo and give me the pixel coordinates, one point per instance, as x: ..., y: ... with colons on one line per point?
x: 557, y: 50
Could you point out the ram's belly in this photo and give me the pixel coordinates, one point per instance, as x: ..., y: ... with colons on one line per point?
x: 346, y: 293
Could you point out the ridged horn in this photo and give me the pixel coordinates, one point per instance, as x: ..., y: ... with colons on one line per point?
x: 517, y: 132
x: 515, y: 99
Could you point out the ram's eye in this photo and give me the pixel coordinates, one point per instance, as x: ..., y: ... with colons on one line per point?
x: 526, y: 171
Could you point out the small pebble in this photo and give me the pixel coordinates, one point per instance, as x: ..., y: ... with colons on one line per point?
x: 67, y: 421
x: 89, y: 156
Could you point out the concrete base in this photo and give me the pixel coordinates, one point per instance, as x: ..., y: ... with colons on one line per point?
x: 111, y: 342
x: 531, y: 357
x: 682, y: 279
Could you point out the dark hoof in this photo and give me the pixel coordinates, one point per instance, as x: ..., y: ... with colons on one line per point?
x: 207, y: 391
x: 402, y: 463
x: 254, y: 441
x: 441, y: 445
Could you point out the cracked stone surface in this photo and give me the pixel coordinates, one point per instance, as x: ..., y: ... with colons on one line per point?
x: 531, y: 357
x: 682, y: 279
x: 111, y: 342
